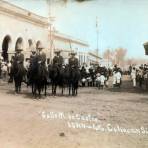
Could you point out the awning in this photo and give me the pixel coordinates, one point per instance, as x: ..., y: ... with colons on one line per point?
x: 146, y: 48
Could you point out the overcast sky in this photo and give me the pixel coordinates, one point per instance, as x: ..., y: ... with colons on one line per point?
x: 122, y: 23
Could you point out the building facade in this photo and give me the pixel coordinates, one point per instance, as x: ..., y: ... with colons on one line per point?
x: 21, y: 28
x: 67, y: 44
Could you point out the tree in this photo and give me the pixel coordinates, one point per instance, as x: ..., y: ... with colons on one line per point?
x: 107, y: 54
x: 120, y: 54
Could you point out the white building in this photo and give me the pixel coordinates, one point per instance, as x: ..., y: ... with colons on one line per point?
x: 68, y: 44
x: 19, y: 27
x: 106, y: 62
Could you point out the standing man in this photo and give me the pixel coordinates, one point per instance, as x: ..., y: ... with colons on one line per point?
x: 58, y: 59
x: 73, y: 61
x: 133, y: 76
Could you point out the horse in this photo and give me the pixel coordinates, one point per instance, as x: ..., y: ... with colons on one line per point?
x: 62, y: 79
x: 18, y: 72
x: 37, y: 78
x: 74, y: 80
x: 40, y: 82
x: 54, y: 76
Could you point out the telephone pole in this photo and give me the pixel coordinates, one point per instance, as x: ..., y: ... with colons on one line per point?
x: 51, y: 19
x: 97, y: 33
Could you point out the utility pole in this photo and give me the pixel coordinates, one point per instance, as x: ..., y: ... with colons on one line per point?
x: 50, y: 28
x: 97, y: 33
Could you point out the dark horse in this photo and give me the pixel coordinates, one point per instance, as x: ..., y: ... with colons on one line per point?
x: 53, y: 71
x: 74, y: 78
x: 38, y: 78
x: 18, y: 72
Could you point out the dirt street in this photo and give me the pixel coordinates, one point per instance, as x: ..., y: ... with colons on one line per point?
x: 109, y: 118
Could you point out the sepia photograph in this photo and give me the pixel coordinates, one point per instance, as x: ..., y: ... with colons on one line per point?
x: 73, y: 74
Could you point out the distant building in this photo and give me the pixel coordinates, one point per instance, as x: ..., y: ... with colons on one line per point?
x: 67, y: 44
x: 105, y: 62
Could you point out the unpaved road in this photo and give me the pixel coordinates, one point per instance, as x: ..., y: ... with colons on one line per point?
x: 22, y: 125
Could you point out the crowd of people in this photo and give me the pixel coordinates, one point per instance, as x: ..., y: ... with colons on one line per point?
x: 139, y: 75
x: 99, y: 75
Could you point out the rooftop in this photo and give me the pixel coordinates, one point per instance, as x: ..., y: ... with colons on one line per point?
x: 13, y: 10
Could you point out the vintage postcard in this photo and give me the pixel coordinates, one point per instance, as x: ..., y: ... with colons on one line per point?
x: 73, y: 74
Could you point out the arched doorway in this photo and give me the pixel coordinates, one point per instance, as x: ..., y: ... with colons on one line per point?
x: 5, y: 47
x: 19, y: 43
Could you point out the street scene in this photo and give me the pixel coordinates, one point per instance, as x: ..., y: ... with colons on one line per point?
x: 73, y: 74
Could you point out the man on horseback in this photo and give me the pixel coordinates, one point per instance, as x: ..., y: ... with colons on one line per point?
x: 33, y: 56
x: 58, y: 59
x: 73, y: 61
x: 74, y: 74
x: 33, y: 65
x: 38, y: 70
x: 19, y: 61
x: 41, y: 56
x: 18, y: 70
x: 19, y: 57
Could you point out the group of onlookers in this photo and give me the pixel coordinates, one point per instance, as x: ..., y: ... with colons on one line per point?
x: 5, y: 68
x: 139, y: 74
x: 99, y: 76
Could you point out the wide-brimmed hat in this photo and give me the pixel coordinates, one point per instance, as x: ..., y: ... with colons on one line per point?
x: 19, y: 49
x: 73, y: 53
x: 57, y: 51
x: 40, y: 46
x: 33, y: 49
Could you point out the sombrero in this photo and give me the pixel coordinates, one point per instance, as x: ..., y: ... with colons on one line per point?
x: 40, y: 46
x: 57, y: 51
x: 73, y: 53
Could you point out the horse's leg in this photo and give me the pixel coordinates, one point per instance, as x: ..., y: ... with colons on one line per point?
x: 45, y: 89
x: 32, y: 88
x: 55, y: 88
x: 16, y: 90
x: 16, y: 86
x: 52, y: 88
x: 69, y: 89
x: 62, y: 89
x: 20, y: 82
x: 39, y: 90
x: 73, y: 90
x: 34, y: 91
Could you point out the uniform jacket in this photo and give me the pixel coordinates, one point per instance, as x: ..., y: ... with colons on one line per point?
x: 58, y: 60
x: 19, y: 58
x: 33, y: 59
x: 73, y: 62
x: 42, y: 57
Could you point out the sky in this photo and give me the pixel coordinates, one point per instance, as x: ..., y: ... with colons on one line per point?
x: 121, y: 23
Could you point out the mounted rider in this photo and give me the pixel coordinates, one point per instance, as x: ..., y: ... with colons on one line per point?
x: 17, y: 63
x: 73, y: 61
x: 33, y: 56
x: 41, y: 56
x: 19, y: 57
x: 58, y: 59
